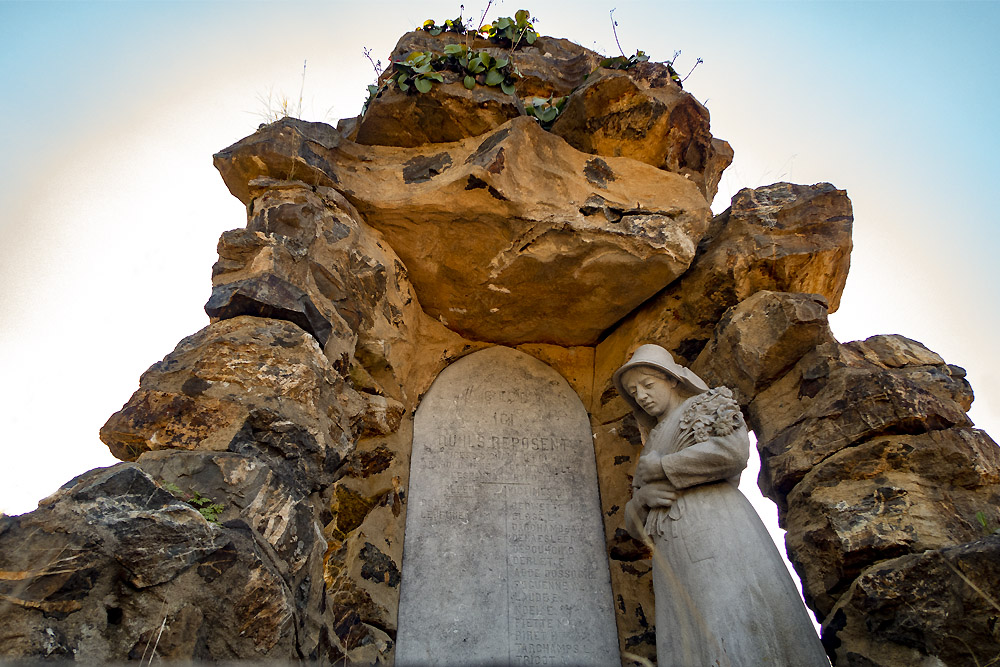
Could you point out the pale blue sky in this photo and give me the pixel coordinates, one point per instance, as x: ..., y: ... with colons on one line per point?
x: 110, y: 112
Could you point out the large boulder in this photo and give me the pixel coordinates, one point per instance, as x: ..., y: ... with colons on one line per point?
x: 245, y: 384
x: 644, y: 114
x: 450, y: 112
x: 889, y: 496
x: 514, y: 238
x: 115, y: 567
x: 937, y: 607
x: 883, y: 487
x: 781, y: 238
x: 760, y: 339
x: 835, y: 398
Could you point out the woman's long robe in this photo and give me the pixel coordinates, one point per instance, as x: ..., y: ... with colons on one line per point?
x: 723, y: 595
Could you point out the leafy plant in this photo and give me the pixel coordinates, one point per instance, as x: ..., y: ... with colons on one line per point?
x: 205, y: 506
x: 545, y: 109
x: 422, y: 68
x: 481, y: 67
x: 508, y: 31
x: 417, y: 71
x: 984, y: 522
x: 623, y: 62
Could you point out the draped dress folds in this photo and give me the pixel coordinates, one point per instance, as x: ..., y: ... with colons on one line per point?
x: 723, y: 595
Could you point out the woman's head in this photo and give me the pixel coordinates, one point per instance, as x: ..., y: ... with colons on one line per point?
x: 656, y: 360
x: 652, y: 389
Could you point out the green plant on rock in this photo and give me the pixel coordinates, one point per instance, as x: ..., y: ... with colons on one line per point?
x: 985, y: 523
x: 545, y: 109
x: 481, y: 67
x: 205, y: 506
x: 417, y: 71
x: 623, y: 62
x: 511, y: 31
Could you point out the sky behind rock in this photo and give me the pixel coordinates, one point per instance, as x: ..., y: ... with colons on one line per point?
x: 112, y: 209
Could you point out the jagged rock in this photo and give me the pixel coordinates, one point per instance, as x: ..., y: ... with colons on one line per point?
x: 550, y: 66
x: 835, y: 398
x: 938, y: 607
x: 238, y: 384
x: 113, y: 566
x: 450, y: 112
x: 269, y: 296
x: 313, y: 242
x: 886, y: 497
x: 781, y: 237
x: 867, y: 450
x: 642, y: 113
x: 516, y: 238
x: 289, y: 149
x: 759, y: 339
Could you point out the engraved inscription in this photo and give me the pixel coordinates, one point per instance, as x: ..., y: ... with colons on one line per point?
x: 503, y: 519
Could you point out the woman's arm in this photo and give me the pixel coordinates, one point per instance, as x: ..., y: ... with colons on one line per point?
x: 711, y: 460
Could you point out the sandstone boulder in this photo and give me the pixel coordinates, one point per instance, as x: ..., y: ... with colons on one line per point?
x: 243, y: 384
x: 781, y: 237
x: 331, y: 274
x: 761, y: 338
x: 517, y: 237
x: 835, y: 398
x: 450, y: 112
x: 113, y: 567
x: 886, y: 497
x: 938, y: 607
x: 642, y: 113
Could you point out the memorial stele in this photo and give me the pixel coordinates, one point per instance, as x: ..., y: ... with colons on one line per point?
x: 504, y: 560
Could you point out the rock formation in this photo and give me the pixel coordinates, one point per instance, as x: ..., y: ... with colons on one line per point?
x: 258, y: 513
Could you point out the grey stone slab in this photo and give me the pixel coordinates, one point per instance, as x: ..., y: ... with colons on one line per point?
x: 504, y: 560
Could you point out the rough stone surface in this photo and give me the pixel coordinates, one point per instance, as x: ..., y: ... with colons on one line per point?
x: 889, y: 496
x: 760, y: 339
x: 781, y: 237
x: 504, y: 507
x: 114, y: 567
x: 938, y: 607
x: 290, y: 418
x: 243, y: 384
x: 515, y: 238
x: 834, y: 398
x: 643, y: 114
x: 878, y: 476
x: 450, y: 112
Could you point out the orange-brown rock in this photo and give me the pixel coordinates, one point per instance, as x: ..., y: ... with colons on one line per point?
x: 781, y: 237
x: 760, y: 339
x: 450, y: 112
x: 878, y: 476
x: 517, y: 237
x: 889, y: 496
x: 242, y: 384
x: 642, y: 113
x: 834, y: 398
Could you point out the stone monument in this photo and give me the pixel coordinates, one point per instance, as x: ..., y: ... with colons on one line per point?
x: 504, y: 559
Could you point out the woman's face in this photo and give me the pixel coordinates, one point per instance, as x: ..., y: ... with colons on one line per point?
x: 655, y: 393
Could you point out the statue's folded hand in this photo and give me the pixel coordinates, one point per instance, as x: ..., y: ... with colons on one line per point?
x: 649, y: 468
x: 656, y: 494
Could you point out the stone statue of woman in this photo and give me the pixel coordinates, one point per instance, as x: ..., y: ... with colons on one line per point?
x: 723, y: 595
